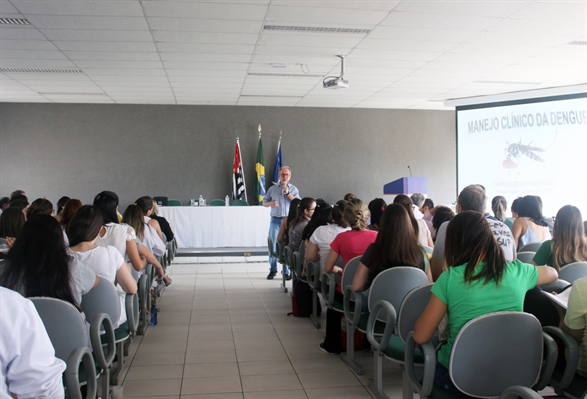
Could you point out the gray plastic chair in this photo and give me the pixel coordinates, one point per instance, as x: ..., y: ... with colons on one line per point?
x: 428, y: 249
x: 490, y: 354
x: 313, y: 273
x: 573, y: 271
x: 143, y: 297
x: 532, y: 247
x: 526, y: 256
x: 66, y: 328
x: 516, y: 392
x: 238, y: 202
x: 217, y: 202
x: 389, y: 290
x: 300, y: 260
x: 566, y: 382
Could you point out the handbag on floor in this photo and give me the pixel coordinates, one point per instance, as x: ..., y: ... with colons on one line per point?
x: 301, y: 300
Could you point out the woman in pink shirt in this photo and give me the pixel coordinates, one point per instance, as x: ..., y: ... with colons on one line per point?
x: 347, y: 245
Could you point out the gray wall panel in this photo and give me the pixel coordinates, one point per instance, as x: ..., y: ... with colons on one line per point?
x: 183, y: 151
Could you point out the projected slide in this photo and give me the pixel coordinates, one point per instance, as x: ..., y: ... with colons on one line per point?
x: 535, y: 148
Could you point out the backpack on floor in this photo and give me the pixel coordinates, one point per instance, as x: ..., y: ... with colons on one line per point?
x: 301, y: 300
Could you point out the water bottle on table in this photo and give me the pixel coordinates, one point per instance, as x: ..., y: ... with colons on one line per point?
x: 226, y: 201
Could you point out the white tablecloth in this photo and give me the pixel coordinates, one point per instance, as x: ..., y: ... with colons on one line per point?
x: 218, y: 226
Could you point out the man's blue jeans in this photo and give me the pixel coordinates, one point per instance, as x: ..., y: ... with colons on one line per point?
x: 273, y: 230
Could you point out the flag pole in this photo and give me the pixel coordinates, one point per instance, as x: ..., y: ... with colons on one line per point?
x: 242, y: 169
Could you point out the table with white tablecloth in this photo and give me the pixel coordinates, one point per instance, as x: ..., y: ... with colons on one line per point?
x: 218, y: 226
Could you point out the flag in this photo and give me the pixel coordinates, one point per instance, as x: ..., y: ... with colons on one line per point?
x: 260, y: 169
x: 278, y: 163
x: 239, y: 190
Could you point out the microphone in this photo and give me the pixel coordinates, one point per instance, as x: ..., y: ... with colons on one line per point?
x: 410, y: 169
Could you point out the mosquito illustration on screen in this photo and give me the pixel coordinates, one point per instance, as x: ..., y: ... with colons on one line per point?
x: 516, y: 151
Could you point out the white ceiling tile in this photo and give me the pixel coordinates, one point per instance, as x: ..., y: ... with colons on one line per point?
x: 301, y: 50
x: 431, y: 105
x: 97, y: 71
x: 480, y: 58
x: 205, y: 48
x: 217, y: 59
x: 291, y: 69
x: 113, y: 85
x: 36, y: 63
x: 87, y: 22
x: 438, y: 21
x: 110, y: 56
x: 7, y: 8
x: 387, y: 5
x: 539, y: 27
x: 26, y: 45
x: 80, y: 8
x: 279, y: 81
x: 119, y: 64
x: 310, y: 16
x: 255, y: 101
x: 232, y: 66
x: 205, y: 73
x: 131, y: 80
x: 204, y: 37
x: 81, y: 99
x: 519, y: 39
x: 502, y: 8
x: 94, y: 35
x: 205, y: 85
x: 205, y: 79
x: 25, y: 54
x: 105, y: 46
x: 242, y: 12
x: 19, y: 32
x: 406, y: 45
x: 562, y: 10
x: 205, y: 25
x: 395, y: 55
x: 312, y: 40
x: 422, y: 34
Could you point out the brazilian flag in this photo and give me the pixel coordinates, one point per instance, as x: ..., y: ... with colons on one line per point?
x: 260, y: 169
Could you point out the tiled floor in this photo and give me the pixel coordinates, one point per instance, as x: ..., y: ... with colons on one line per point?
x: 228, y: 336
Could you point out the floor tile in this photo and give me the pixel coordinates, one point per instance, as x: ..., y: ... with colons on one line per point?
x: 198, y: 370
x: 148, y: 359
x: 325, y: 379
x: 270, y: 382
x: 338, y: 393
x: 292, y: 394
x: 265, y: 368
x: 155, y: 372
x: 152, y: 388
x: 211, y: 385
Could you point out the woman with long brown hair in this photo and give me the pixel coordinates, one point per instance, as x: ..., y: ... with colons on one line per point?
x: 478, y: 281
x: 421, y: 230
x: 395, y: 245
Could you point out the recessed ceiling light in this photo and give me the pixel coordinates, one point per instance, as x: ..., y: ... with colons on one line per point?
x: 278, y: 65
x: 40, y: 70
x: 14, y: 21
x: 285, y: 75
x: 506, y: 82
x: 318, y: 29
x: 268, y: 96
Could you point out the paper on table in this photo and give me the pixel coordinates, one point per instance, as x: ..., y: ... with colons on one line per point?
x: 561, y: 299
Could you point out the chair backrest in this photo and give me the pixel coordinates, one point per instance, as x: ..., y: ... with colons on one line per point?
x: 428, y: 249
x: 349, y: 271
x: 526, y: 256
x: 411, y: 308
x: 301, y: 258
x: 280, y: 249
x: 217, y: 202
x: 496, y: 351
x: 532, y: 247
x: 288, y: 256
x: 393, y: 284
x: 573, y: 271
x: 65, y: 325
x: 102, y: 299
x: 238, y: 202
x: 161, y: 201
x: 173, y: 202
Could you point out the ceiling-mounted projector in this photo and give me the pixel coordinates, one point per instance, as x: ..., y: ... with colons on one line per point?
x: 336, y: 82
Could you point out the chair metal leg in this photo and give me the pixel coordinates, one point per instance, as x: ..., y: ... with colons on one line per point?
x: 407, y: 391
x: 376, y: 384
x: 119, y: 363
x: 349, y: 356
x: 283, y: 280
x: 314, y: 316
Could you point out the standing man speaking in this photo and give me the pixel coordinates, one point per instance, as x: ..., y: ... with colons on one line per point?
x: 278, y: 197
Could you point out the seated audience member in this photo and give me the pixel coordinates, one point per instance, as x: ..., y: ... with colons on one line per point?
x: 395, y: 245
x: 376, y: 208
x: 499, y: 206
x: 40, y: 206
x: 575, y: 321
x: 305, y: 211
x: 283, y: 234
x: 427, y: 205
x: 417, y: 200
x: 60, y: 204
x: 329, y: 223
x: 441, y: 214
x: 146, y: 205
x: 38, y: 264
x: 348, y: 245
x: 119, y: 235
x: 83, y: 231
x: 4, y: 202
x: 145, y: 237
x: 473, y: 198
x: 349, y: 196
x: 514, y: 208
x: 17, y: 193
x: 568, y: 245
x: 11, y: 222
x: 530, y: 226
x: 21, y: 205
x: 135, y: 217
x: 165, y: 226
x: 478, y: 281
x: 427, y: 216
x: 28, y: 366
x: 67, y: 213
x: 420, y: 227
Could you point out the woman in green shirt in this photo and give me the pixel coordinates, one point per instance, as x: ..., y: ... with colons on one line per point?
x: 478, y: 281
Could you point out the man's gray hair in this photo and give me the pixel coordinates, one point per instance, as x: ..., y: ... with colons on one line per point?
x: 285, y: 167
x: 417, y: 199
x: 473, y: 198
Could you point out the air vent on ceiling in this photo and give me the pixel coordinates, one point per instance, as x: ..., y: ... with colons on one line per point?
x: 57, y: 93
x: 285, y: 75
x: 436, y: 101
x: 40, y: 70
x: 318, y: 29
x: 506, y: 82
x: 14, y: 21
x: 579, y: 43
x: 268, y: 96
